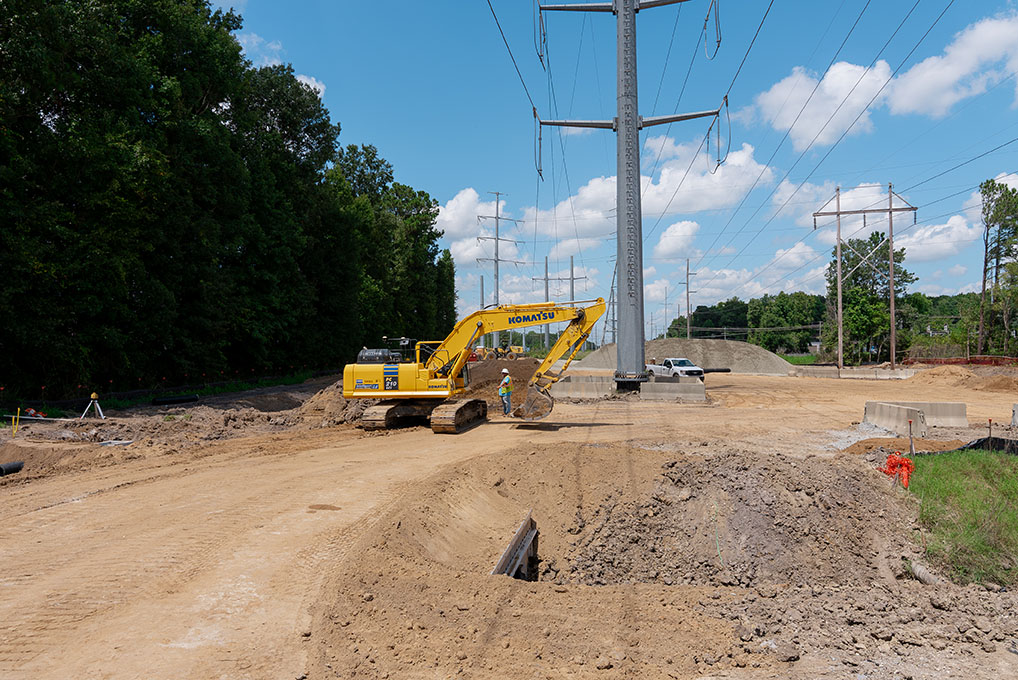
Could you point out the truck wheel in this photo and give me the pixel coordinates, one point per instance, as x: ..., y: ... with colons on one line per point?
x: 651, y: 377
x: 491, y: 356
x: 676, y: 375
x: 511, y: 356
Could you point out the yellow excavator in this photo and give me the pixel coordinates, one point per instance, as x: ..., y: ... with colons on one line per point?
x: 429, y: 378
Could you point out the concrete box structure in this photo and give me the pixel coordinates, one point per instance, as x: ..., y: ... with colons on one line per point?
x: 583, y: 387
x: 673, y: 391
x: 939, y: 413
x: 895, y: 417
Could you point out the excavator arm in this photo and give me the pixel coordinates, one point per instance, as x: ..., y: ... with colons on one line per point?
x: 539, y: 401
x: 449, y: 357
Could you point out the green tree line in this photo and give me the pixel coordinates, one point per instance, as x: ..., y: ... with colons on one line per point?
x: 169, y: 212
x: 926, y: 326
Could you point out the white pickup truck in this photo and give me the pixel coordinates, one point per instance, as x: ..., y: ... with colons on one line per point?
x: 676, y: 368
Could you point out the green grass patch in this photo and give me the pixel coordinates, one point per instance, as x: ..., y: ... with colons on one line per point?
x: 969, y: 514
x: 799, y: 359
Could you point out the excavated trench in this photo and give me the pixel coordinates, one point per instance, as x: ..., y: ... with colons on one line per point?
x: 681, y: 554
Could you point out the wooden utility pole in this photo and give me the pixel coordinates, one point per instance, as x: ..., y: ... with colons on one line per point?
x: 890, y: 210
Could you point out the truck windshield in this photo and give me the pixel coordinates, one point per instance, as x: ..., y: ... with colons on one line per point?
x: 683, y: 362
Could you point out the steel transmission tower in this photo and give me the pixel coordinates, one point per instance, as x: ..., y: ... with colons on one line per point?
x: 497, y: 239
x: 572, y: 279
x: 627, y: 124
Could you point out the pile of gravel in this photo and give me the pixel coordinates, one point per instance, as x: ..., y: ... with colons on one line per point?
x: 741, y: 357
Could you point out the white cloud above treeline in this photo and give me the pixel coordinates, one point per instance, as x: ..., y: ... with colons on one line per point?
x: 980, y: 56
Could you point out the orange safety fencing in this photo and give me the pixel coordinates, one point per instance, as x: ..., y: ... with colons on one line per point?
x: 899, y: 467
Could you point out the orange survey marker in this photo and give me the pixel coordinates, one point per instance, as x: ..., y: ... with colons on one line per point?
x: 898, y: 466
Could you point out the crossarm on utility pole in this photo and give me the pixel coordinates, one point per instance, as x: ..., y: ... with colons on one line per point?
x: 580, y: 7
x: 649, y: 121
x: 601, y: 124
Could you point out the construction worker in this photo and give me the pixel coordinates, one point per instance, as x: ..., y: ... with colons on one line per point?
x: 505, y: 390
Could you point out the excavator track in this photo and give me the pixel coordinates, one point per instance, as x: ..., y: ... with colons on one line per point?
x: 453, y: 417
x: 388, y: 414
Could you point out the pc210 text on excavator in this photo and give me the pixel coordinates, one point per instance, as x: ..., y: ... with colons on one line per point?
x: 430, y: 378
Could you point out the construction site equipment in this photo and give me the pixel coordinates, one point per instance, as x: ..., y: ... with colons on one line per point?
x: 94, y: 403
x: 430, y: 380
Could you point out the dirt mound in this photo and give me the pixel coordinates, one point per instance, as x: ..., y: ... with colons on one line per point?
x: 739, y: 519
x: 327, y: 408
x: 486, y: 375
x: 942, y: 374
x: 741, y: 357
x: 960, y: 376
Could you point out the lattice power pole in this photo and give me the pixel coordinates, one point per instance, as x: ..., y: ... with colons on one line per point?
x: 689, y: 312
x: 572, y: 279
x: 627, y: 124
x: 496, y: 238
x: 890, y: 210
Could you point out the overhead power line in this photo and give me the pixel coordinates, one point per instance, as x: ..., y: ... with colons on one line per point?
x: 847, y: 129
x: 784, y: 137
x: 515, y: 65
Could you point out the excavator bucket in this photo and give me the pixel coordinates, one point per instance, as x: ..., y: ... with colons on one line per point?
x: 537, y: 405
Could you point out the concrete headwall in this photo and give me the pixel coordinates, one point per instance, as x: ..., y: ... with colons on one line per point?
x: 673, y: 391
x: 895, y: 418
x: 939, y: 413
x: 583, y: 387
x: 858, y: 373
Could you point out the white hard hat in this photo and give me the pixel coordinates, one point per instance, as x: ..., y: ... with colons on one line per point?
x: 506, y: 371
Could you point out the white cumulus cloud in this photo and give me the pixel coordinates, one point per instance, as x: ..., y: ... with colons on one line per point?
x: 458, y: 217
x: 315, y: 84
x: 260, y: 51
x: 979, y: 56
x: 843, y: 92
x: 938, y: 241
x: 677, y: 240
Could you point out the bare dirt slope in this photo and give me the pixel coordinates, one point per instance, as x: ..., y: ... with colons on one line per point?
x: 329, y: 552
x: 741, y: 357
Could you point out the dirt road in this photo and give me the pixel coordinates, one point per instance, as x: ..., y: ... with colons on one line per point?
x: 237, y: 559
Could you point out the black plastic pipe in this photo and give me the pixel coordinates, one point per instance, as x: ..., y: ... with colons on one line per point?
x: 11, y: 468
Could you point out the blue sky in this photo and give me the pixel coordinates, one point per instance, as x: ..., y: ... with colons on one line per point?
x: 833, y: 93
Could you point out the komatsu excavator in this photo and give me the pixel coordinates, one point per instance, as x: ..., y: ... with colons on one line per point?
x: 430, y: 379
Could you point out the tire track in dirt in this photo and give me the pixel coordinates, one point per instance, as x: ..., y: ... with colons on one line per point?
x: 133, y: 555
